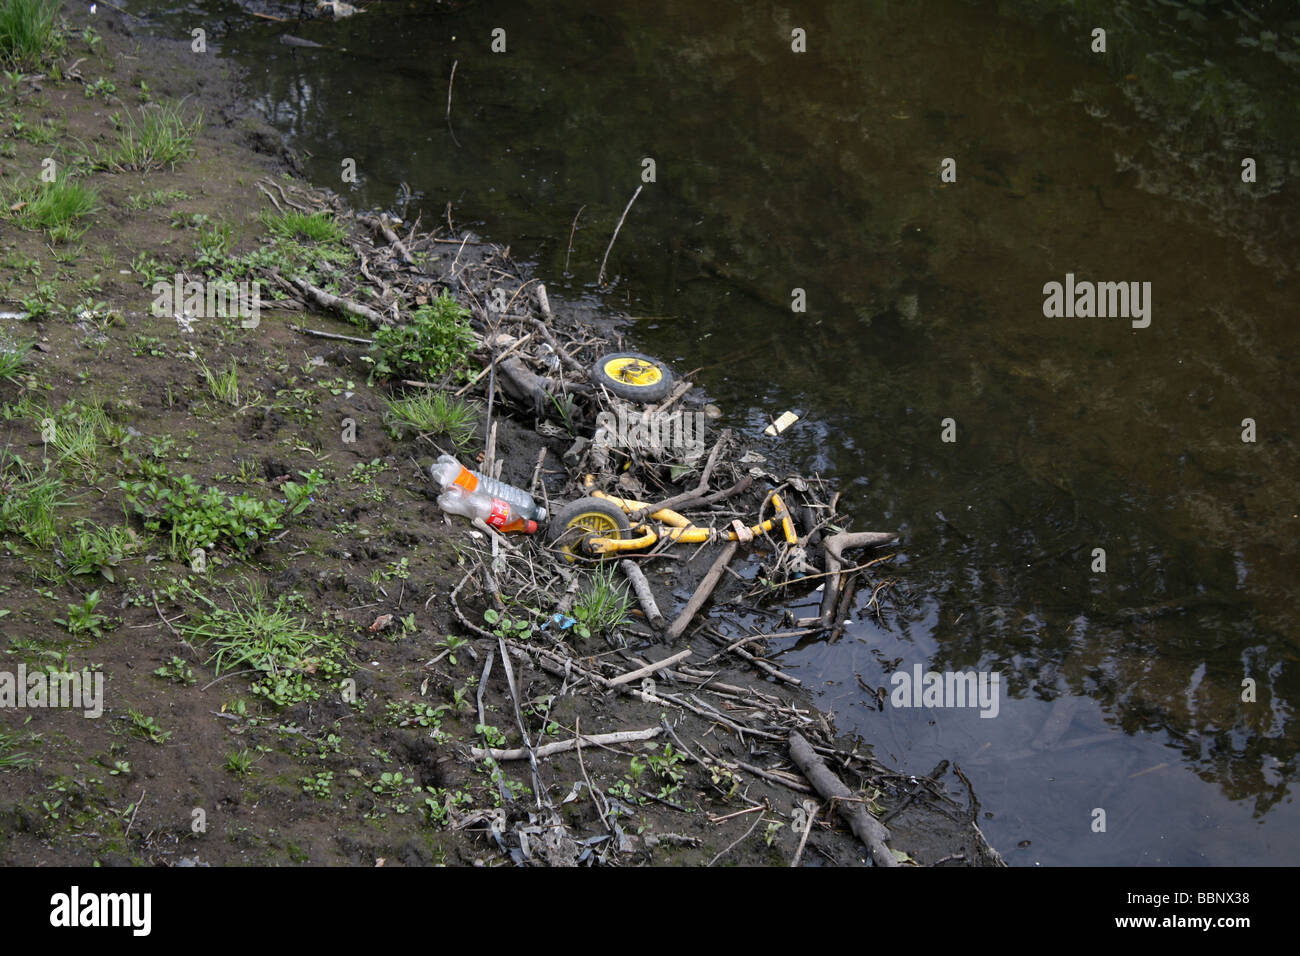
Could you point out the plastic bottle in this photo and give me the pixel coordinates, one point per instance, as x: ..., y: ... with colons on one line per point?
x: 495, y: 512
x: 447, y: 471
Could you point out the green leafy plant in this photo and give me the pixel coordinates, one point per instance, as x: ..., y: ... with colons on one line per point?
x: 320, y: 785
x: 503, y: 625
x: 92, y: 549
x: 201, y: 517
x: 436, y: 340
x: 177, y: 669
x: 146, y: 728
x: 83, y: 618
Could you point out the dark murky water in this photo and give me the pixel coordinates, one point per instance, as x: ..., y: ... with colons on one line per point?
x: 820, y: 171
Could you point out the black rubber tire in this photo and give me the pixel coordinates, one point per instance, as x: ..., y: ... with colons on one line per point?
x: 637, y: 394
x: 570, y: 539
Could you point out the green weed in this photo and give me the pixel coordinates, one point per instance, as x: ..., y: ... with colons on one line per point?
x: 436, y: 413
x: 29, y: 32
x: 154, y: 137
x: 435, y: 341
x: 316, y: 226
x: 55, y: 206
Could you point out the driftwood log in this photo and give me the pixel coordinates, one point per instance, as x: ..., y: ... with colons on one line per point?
x: 644, y: 596
x: 835, y: 546
x: 702, y: 592
x: 865, y: 827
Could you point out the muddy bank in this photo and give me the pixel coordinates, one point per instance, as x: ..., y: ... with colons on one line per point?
x: 359, y: 729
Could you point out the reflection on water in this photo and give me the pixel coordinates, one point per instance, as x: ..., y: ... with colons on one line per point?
x: 820, y: 171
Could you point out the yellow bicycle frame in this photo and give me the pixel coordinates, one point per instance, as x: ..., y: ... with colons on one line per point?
x: 680, y: 527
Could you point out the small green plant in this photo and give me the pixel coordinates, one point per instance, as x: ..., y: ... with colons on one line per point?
x: 102, y: 88
x: 320, y: 785
x: 437, y: 340
x: 603, y: 607
x: 240, y: 762
x: 436, y: 413
x: 177, y: 669
x: 92, y: 549
x: 453, y: 644
x: 493, y: 736
x: 155, y: 136
x: 415, y: 714
x: 146, y: 728
x: 223, y: 386
x: 83, y: 618
x: 390, y: 784
x: 503, y: 625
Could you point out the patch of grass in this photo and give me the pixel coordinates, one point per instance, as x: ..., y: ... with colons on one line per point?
x: 159, y: 197
x: 240, y: 762
x: 436, y: 413
x: 29, y: 32
x: 80, y: 433
x: 223, y: 386
x: 316, y: 226
x: 29, y: 502
x: 10, y: 757
x: 155, y: 136
x: 269, y: 639
x: 39, y: 134
x: 13, y: 360
x: 436, y: 341
x: 604, y: 606
x: 55, y: 206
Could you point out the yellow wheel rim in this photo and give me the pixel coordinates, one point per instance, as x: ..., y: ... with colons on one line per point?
x: 632, y: 371
x: 588, y: 523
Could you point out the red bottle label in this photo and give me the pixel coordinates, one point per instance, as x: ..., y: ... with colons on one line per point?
x: 500, y: 515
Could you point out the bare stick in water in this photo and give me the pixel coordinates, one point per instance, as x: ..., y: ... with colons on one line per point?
x: 601, y: 278
x: 572, y: 230
x: 449, y: 85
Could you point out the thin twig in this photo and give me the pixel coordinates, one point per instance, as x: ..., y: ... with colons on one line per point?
x: 601, y: 277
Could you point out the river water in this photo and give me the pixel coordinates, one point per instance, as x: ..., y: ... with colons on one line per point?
x: 819, y: 171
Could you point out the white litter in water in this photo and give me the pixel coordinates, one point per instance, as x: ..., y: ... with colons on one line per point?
x: 13, y: 315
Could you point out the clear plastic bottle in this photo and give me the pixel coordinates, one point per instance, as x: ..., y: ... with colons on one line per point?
x: 495, y: 512
x: 448, y: 472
